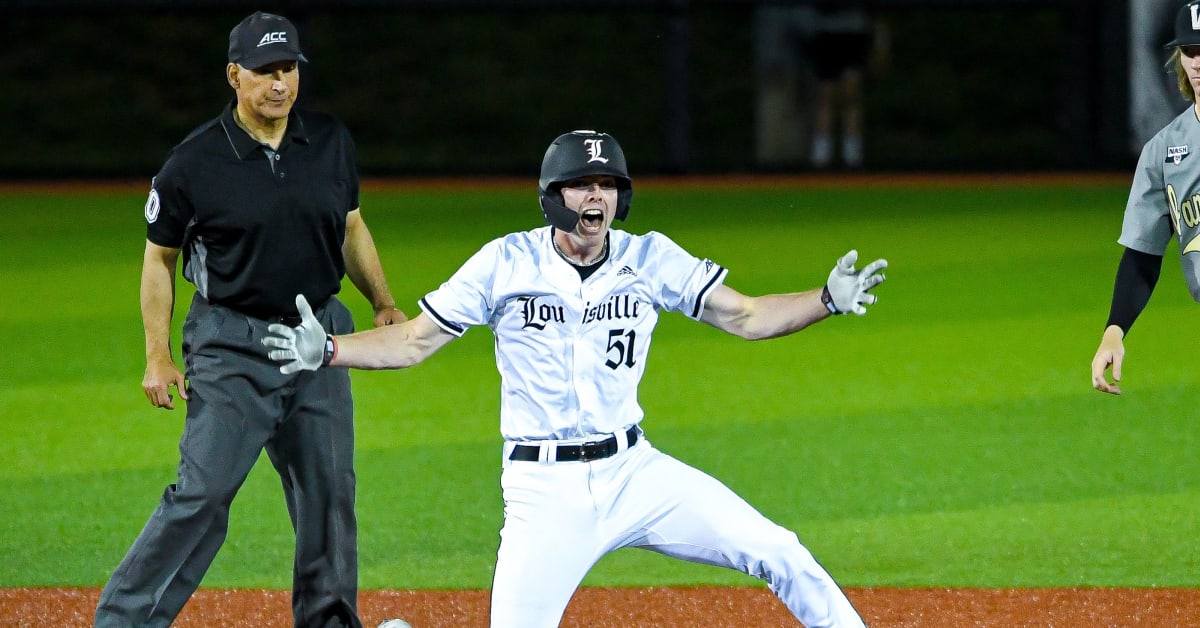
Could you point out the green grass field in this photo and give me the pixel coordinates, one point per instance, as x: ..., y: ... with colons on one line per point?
x: 948, y: 438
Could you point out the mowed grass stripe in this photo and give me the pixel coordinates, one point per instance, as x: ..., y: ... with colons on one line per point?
x: 922, y: 444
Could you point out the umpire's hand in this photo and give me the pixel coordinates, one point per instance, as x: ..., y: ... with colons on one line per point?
x: 161, y: 375
x: 389, y: 315
x: 301, y: 347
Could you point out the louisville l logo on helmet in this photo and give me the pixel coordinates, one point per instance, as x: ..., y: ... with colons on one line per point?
x: 594, y: 149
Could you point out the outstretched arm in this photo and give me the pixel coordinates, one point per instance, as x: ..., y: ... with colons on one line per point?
x: 774, y: 315
x: 759, y: 318
x: 392, y: 347
x: 308, y: 347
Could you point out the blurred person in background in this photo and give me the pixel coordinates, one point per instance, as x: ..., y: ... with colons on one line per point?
x: 1163, y: 205
x: 1153, y: 94
x: 262, y: 201
x: 825, y: 49
x: 843, y: 44
x: 783, y: 81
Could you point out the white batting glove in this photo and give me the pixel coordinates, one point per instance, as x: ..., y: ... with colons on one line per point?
x: 301, y: 347
x: 847, y: 290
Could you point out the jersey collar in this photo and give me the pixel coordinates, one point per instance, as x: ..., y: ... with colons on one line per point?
x: 246, y: 146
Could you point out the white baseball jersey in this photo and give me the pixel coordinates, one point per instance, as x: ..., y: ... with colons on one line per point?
x: 1164, y: 200
x: 571, y: 352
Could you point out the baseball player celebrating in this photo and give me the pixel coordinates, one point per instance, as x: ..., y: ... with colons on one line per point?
x: 1164, y: 203
x: 573, y: 306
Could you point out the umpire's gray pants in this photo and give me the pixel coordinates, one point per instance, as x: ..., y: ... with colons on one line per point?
x: 240, y: 404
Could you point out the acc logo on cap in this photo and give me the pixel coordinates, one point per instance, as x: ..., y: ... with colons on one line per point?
x: 278, y: 37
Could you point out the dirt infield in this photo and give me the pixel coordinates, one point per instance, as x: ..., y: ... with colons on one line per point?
x: 711, y: 607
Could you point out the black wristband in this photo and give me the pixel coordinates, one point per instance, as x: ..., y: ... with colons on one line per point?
x: 827, y: 299
x: 330, y: 350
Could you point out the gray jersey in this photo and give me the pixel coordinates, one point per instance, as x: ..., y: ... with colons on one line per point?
x: 1165, y: 196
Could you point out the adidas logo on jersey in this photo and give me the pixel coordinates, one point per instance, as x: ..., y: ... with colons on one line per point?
x: 625, y: 270
x: 1175, y: 154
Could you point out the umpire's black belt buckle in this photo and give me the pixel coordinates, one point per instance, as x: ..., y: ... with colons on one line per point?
x: 584, y: 452
x: 290, y: 321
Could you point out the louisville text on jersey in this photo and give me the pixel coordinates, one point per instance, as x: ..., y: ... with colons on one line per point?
x: 537, y: 312
x: 618, y: 306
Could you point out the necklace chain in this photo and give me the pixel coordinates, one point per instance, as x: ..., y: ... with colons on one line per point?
x: 572, y: 262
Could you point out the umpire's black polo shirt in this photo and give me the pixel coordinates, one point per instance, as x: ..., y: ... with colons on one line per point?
x: 257, y: 227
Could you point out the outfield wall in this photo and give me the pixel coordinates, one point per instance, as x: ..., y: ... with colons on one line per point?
x: 481, y: 87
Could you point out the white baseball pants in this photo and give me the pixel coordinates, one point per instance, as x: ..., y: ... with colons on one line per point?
x: 560, y: 518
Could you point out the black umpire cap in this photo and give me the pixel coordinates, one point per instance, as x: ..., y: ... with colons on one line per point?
x: 1187, y: 26
x: 263, y: 39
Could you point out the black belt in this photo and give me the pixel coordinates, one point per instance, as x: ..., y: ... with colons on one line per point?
x: 290, y: 321
x: 575, y: 453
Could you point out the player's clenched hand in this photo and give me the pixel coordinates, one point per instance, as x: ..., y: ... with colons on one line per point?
x: 848, y: 289
x: 301, y: 347
x: 1110, y: 353
x: 161, y: 375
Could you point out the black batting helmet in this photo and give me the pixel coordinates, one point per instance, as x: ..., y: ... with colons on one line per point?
x: 580, y: 154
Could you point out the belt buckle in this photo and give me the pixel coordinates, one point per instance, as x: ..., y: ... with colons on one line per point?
x: 290, y: 321
x: 598, y: 450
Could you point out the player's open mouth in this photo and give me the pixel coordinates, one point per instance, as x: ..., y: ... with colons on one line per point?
x: 592, y: 218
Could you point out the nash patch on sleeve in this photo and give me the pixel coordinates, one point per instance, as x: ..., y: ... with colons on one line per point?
x: 1175, y: 154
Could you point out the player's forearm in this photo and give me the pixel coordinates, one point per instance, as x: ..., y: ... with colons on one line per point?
x: 390, y: 347
x: 776, y: 315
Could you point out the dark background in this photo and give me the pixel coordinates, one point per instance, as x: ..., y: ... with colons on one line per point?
x: 453, y: 87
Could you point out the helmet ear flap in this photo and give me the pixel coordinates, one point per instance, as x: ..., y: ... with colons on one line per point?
x: 556, y: 213
x: 624, y: 199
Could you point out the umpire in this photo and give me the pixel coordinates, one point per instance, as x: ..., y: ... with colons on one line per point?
x: 263, y: 203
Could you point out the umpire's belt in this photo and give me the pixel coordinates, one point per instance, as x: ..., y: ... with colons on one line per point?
x: 582, y: 452
x: 291, y: 320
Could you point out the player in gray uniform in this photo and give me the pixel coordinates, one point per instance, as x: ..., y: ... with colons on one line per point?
x: 1164, y: 204
x: 573, y: 307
